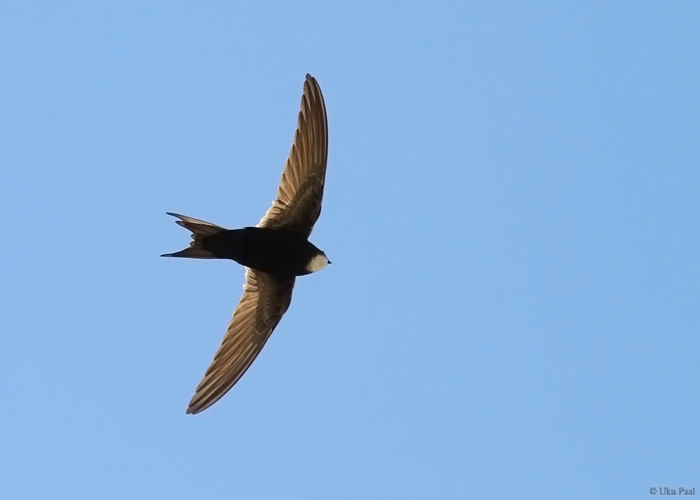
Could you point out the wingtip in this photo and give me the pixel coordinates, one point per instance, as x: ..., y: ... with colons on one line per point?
x: 195, y: 408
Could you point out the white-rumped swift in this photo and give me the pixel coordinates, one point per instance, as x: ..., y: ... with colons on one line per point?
x: 274, y: 252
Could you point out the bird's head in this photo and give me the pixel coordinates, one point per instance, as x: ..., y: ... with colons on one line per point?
x: 317, y: 262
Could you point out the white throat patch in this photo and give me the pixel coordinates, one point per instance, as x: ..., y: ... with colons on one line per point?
x: 317, y: 263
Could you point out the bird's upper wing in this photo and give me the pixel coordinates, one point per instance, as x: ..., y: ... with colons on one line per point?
x: 265, y: 299
x: 299, y: 197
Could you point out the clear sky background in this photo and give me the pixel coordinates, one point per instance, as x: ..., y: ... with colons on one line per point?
x: 512, y: 210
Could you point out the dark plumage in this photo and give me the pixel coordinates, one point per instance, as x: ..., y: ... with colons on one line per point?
x: 274, y: 252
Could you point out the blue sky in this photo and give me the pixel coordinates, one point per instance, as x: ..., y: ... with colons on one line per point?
x: 511, y: 209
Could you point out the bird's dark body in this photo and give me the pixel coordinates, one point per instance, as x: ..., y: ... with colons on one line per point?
x: 272, y: 251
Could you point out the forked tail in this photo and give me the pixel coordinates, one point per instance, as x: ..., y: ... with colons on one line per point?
x: 200, y: 231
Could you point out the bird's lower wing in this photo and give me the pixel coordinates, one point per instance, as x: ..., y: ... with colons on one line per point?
x: 264, y: 302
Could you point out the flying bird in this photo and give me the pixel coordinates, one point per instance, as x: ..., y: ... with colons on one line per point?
x: 274, y: 252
